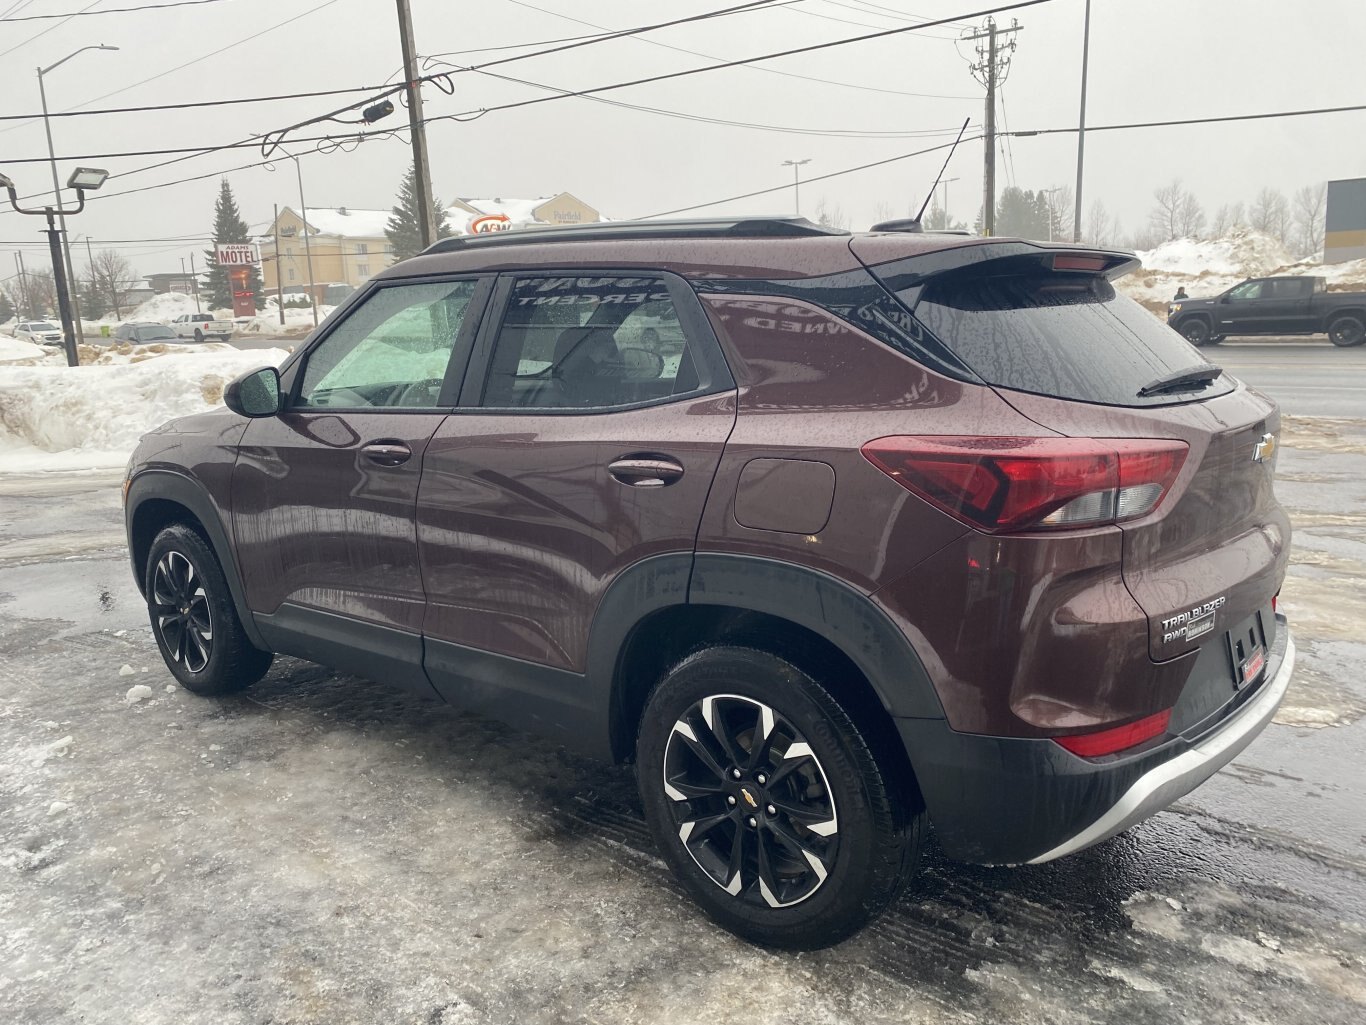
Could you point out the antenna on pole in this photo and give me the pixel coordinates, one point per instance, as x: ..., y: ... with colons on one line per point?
x: 940, y: 175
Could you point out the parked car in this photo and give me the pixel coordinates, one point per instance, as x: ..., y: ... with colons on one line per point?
x: 918, y: 530
x: 38, y: 331
x: 202, y: 325
x: 139, y: 332
x: 1290, y: 305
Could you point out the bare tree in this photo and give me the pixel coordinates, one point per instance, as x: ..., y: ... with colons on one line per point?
x: 830, y: 216
x: 1099, y: 227
x: 882, y: 211
x: 1059, y: 203
x: 1270, y: 214
x: 1177, y: 213
x: 1308, y: 215
x: 112, y: 276
x: 938, y: 219
x: 42, y: 293
x: 1227, y: 218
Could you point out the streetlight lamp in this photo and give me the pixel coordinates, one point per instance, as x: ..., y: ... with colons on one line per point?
x: 308, y: 248
x: 948, y: 221
x: 1049, y: 204
x: 796, y: 181
x: 82, y: 179
x: 52, y: 158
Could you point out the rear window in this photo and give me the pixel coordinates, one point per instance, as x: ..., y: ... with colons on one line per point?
x: 1066, y: 336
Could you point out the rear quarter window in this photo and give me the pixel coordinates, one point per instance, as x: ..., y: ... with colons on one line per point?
x: 1065, y: 336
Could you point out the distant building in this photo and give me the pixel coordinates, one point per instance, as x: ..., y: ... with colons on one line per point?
x: 1344, y: 236
x: 349, y: 245
x: 180, y: 282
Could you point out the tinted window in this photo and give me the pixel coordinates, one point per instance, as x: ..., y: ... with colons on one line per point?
x: 1247, y: 290
x: 151, y: 334
x: 391, y: 351
x: 574, y: 342
x: 1071, y: 337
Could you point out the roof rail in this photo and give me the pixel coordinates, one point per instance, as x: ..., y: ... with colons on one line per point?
x: 616, y: 231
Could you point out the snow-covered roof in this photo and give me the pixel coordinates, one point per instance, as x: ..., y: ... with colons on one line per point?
x: 348, y: 221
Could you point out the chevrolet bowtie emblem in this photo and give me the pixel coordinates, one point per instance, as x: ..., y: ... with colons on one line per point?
x: 1264, y: 449
x: 749, y: 798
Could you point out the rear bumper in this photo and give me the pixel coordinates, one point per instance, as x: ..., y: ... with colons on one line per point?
x: 1007, y: 801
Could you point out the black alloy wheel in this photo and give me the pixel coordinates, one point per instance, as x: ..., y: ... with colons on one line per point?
x: 180, y: 612
x: 752, y: 803
x: 1347, y: 331
x: 786, y: 822
x: 1196, y: 332
x: 193, y: 616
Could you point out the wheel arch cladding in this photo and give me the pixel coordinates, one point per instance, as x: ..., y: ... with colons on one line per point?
x: 158, y: 498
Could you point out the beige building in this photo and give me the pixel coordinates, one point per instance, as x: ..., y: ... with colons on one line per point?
x: 349, y: 245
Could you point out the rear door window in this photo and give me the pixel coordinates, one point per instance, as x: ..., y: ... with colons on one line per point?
x: 578, y: 341
x: 1062, y: 335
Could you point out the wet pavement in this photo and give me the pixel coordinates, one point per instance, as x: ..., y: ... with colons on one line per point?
x: 324, y: 850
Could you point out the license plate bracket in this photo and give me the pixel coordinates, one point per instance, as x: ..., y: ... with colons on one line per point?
x: 1247, y: 649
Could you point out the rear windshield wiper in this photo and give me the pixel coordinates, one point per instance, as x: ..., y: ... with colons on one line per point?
x: 1191, y: 379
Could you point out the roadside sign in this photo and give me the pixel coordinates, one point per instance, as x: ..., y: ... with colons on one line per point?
x: 236, y: 254
x: 490, y: 222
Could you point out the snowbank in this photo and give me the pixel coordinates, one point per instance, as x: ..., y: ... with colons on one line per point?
x: 1206, y: 267
x: 161, y: 309
x: 16, y: 350
x: 89, y: 417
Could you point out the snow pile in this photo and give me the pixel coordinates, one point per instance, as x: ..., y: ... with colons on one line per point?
x: 298, y: 320
x: 16, y: 350
x: 161, y: 309
x: 1207, y: 267
x: 58, y: 417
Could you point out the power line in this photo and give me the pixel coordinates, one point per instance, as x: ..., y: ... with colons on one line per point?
x: 472, y: 114
x: 816, y: 178
x: 50, y: 28
x: 193, y: 104
x: 768, y: 71
x: 1192, y: 121
x: 85, y: 13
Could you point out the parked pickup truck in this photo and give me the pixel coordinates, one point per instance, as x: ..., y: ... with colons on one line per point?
x: 1273, y: 306
x: 200, y: 326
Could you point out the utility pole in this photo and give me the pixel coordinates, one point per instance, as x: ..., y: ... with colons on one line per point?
x: 422, y: 172
x: 796, y: 166
x: 194, y: 285
x: 279, y: 271
x: 1081, y: 121
x: 90, y: 266
x: 23, y: 285
x: 991, y: 71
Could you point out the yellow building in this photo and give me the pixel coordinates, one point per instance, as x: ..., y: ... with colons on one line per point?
x: 349, y: 245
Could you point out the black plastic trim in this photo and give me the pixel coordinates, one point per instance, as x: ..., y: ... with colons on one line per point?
x: 622, y: 231
x: 381, y: 653
x: 843, y: 615
x: 173, y: 486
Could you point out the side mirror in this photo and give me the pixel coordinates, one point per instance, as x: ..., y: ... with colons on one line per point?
x: 255, y: 394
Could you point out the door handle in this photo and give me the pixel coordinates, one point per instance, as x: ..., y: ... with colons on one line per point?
x: 387, y: 452
x: 646, y: 471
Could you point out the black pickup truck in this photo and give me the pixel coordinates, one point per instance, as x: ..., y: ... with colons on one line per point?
x: 1272, y: 306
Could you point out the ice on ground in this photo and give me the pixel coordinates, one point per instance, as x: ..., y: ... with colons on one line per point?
x: 140, y: 692
x: 56, y: 749
x: 56, y: 808
x: 59, y: 417
x: 126, y: 670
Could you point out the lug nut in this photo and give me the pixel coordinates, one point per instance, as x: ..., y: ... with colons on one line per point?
x: 752, y: 821
x: 762, y: 779
x: 734, y: 773
x: 771, y: 810
x: 730, y: 800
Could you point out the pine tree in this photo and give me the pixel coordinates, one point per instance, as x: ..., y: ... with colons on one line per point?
x: 7, y: 311
x: 228, y: 226
x: 402, y: 231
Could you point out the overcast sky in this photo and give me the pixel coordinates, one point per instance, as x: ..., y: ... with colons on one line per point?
x: 1154, y: 60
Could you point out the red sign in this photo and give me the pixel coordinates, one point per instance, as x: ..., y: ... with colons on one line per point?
x: 490, y: 222
x: 243, y: 301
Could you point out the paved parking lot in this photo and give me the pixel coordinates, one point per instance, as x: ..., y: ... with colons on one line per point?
x: 323, y: 850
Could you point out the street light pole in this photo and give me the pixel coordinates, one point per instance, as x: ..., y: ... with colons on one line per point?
x: 56, y: 187
x: 796, y: 182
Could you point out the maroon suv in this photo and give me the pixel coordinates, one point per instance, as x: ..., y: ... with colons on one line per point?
x: 835, y: 536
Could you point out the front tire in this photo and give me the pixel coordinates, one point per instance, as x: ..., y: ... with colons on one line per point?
x: 194, y: 619
x: 1347, y: 331
x: 768, y: 802
x: 1196, y: 332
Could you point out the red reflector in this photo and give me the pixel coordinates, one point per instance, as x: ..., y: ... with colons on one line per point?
x: 1008, y: 484
x: 1088, y: 263
x: 1273, y: 602
x: 1107, y: 742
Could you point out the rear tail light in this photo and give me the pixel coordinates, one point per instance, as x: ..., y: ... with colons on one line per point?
x: 1001, y: 485
x: 1119, y: 738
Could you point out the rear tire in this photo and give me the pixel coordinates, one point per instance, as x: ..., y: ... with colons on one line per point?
x: 1196, y: 331
x: 194, y: 619
x: 198, y: 335
x: 809, y: 841
x: 1347, y: 331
